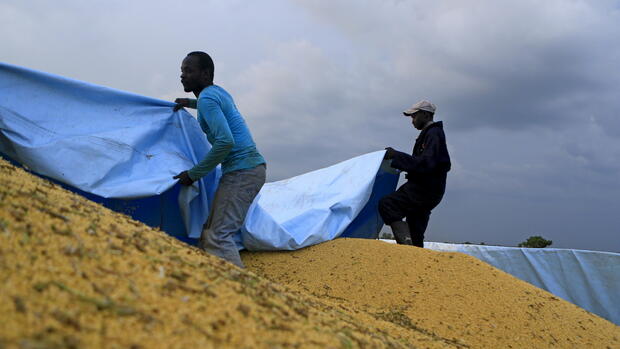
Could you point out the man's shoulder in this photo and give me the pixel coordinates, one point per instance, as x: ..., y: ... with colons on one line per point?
x: 435, y: 128
x: 437, y: 124
x: 208, y: 92
x: 215, y: 92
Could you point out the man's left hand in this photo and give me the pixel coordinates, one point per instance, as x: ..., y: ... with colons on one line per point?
x: 389, y: 153
x: 184, y: 178
x: 180, y: 103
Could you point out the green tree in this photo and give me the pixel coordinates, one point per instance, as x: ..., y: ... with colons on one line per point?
x: 535, y: 242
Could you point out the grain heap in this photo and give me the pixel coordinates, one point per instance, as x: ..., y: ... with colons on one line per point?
x: 450, y: 295
x: 76, y: 275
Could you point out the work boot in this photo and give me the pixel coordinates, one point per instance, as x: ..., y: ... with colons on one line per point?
x: 400, y: 229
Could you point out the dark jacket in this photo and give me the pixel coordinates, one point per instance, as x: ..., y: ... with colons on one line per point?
x: 428, y: 166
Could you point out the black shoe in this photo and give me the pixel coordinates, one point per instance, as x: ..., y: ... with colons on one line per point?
x: 401, y: 233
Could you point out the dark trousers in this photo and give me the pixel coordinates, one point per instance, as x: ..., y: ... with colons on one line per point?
x: 404, y: 204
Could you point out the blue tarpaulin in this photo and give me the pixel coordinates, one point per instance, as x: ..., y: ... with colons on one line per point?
x: 122, y: 149
x: 104, y: 142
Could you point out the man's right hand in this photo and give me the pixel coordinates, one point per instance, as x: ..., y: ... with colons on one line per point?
x: 181, y: 103
x: 389, y: 153
x: 184, y: 178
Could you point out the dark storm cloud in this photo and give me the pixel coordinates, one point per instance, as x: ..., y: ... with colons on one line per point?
x: 506, y: 65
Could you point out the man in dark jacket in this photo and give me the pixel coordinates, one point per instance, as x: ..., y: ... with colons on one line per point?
x: 426, y: 168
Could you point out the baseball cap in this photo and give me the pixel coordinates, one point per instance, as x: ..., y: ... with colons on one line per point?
x: 421, y: 105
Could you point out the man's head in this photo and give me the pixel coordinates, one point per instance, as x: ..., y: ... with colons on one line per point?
x: 421, y: 118
x: 421, y: 113
x: 197, y: 71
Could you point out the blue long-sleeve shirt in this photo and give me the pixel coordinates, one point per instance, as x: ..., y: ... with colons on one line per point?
x: 226, y: 130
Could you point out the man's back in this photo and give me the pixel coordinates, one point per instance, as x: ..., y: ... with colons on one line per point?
x: 214, y: 99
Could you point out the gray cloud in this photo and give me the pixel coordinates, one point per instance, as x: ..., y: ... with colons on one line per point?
x: 553, y: 58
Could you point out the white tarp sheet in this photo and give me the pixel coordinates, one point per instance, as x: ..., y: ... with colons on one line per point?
x: 311, y: 208
x: 589, y: 279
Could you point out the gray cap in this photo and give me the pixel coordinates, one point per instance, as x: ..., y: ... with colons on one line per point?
x: 421, y: 105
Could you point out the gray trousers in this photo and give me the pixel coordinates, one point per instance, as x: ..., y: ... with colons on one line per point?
x: 234, y: 195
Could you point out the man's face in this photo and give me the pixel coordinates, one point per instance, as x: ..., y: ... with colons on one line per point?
x: 192, y: 75
x: 419, y: 120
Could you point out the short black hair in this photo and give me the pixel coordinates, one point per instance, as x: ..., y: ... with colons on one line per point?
x: 205, y: 61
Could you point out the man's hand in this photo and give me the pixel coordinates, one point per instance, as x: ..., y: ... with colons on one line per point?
x: 181, y: 103
x: 389, y: 153
x: 183, y: 178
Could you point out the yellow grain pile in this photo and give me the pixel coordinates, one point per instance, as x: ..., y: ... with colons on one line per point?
x: 450, y: 295
x: 76, y: 275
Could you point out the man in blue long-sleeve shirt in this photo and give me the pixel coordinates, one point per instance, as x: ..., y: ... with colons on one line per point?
x: 427, y: 169
x: 243, y: 167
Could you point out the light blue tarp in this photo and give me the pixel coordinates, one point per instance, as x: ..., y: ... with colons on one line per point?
x: 589, y: 279
x: 122, y: 150
x: 102, y: 141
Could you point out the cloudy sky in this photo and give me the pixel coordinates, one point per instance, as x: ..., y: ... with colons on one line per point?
x: 529, y: 91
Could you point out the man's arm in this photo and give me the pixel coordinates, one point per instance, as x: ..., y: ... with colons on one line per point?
x: 434, y: 157
x: 223, y: 142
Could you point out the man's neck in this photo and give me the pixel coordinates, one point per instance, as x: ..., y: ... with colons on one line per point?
x: 430, y: 122
x: 197, y: 91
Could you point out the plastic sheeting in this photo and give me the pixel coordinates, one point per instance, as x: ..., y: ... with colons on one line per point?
x: 122, y: 149
x: 318, y: 206
x: 102, y: 141
x: 589, y: 279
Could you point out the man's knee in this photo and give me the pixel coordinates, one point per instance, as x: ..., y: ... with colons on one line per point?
x: 389, y: 210
x: 382, y: 203
x: 385, y: 209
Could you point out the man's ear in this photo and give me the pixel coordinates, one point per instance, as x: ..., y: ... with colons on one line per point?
x: 207, y: 75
